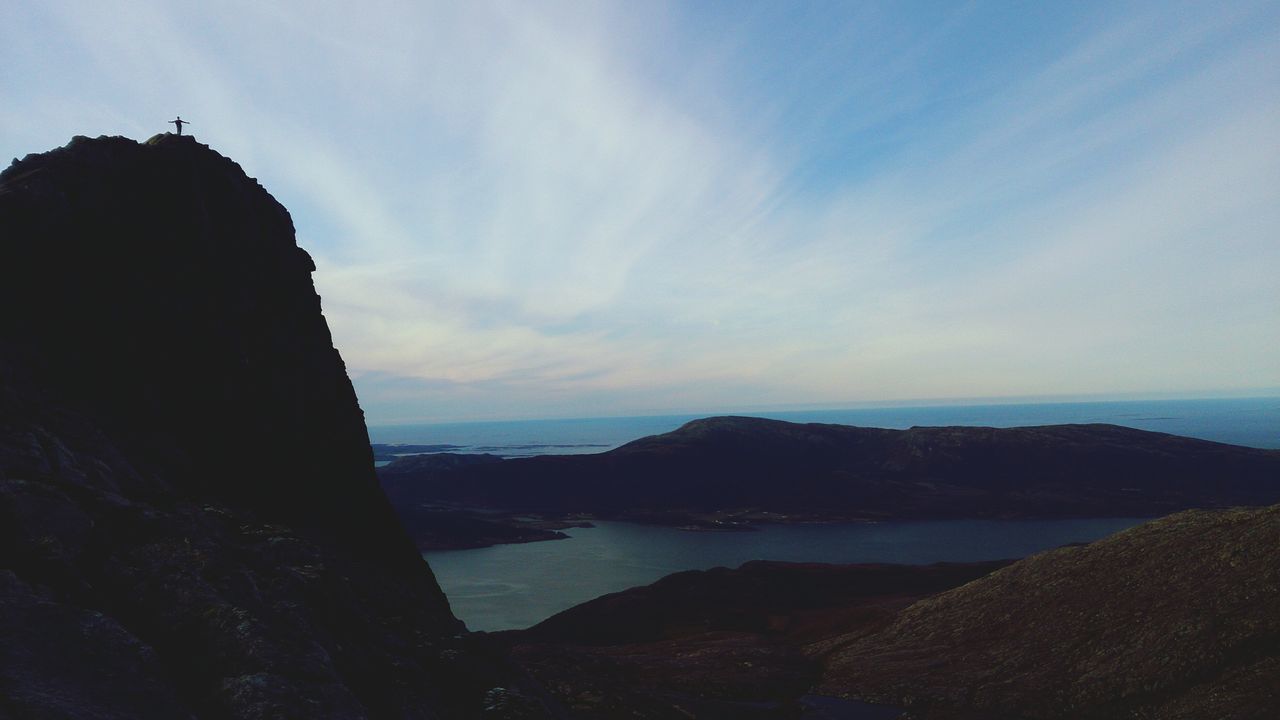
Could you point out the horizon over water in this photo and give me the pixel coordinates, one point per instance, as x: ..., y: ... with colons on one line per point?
x: 1252, y: 421
x: 512, y: 586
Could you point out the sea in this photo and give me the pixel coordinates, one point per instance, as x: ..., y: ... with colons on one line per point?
x: 515, y: 586
x: 1254, y: 422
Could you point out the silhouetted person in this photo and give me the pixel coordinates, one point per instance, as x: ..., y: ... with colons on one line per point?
x: 179, y: 122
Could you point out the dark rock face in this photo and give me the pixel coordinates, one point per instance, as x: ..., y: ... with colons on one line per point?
x: 160, y: 291
x: 1177, y: 618
x: 189, y: 521
x: 836, y: 471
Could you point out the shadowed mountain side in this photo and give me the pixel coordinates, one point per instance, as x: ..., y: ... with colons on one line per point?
x: 759, y: 596
x: 719, y: 643
x: 840, y: 471
x: 1177, y: 618
x: 189, y: 521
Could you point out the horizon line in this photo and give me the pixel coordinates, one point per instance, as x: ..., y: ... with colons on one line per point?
x: 1082, y: 399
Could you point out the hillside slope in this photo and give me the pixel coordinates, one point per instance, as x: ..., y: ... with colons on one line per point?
x: 1176, y: 618
x: 720, y: 643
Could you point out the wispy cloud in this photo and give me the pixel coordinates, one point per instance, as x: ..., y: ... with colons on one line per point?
x: 586, y: 208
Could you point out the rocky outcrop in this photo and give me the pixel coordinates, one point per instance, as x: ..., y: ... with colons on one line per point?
x: 189, y: 521
x: 159, y: 291
x: 842, y: 472
x: 1177, y: 618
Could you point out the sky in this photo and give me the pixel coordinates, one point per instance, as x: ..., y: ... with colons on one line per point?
x: 579, y: 209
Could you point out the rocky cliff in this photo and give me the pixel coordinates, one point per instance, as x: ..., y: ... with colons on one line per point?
x: 189, y: 520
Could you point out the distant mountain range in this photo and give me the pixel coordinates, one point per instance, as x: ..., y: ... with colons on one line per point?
x: 734, y: 468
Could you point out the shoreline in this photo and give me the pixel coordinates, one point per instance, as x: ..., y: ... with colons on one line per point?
x: 532, y: 527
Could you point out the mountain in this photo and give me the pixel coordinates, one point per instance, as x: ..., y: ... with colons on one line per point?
x: 834, y: 471
x: 1176, y: 618
x: 189, y: 521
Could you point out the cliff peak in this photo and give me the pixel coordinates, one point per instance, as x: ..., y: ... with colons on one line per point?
x: 191, y: 523
x: 160, y: 290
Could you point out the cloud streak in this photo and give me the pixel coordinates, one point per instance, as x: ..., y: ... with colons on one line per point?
x: 583, y: 209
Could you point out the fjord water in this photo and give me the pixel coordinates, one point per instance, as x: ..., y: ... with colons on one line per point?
x: 514, y: 586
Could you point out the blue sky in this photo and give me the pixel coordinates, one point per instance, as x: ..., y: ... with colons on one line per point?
x: 540, y: 209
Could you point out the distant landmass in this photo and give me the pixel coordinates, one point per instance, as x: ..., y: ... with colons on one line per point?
x: 732, y: 471
x: 383, y: 452
x: 719, y: 643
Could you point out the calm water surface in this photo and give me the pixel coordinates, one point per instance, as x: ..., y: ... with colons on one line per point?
x: 515, y: 586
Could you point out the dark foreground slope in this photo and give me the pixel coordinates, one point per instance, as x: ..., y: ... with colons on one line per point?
x: 189, y: 522
x: 839, y: 471
x: 719, y: 643
x: 1177, y: 618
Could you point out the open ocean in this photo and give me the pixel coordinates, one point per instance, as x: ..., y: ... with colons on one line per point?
x: 1254, y: 422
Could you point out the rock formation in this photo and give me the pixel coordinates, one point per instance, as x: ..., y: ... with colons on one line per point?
x: 189, y: 520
